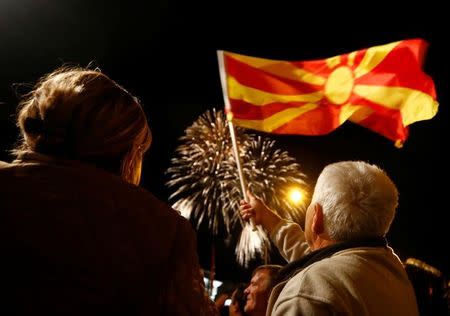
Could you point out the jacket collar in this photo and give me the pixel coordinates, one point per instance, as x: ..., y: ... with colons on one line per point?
x: 292, y: 268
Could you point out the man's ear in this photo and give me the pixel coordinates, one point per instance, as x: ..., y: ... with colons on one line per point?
x: 317, y: 220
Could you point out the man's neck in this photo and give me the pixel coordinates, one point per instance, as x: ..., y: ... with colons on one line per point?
x: 320, y: 243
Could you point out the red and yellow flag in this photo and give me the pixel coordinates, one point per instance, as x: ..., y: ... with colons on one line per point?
x: 382, y: 88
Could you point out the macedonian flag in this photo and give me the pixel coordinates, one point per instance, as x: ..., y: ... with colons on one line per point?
x: 382, y: 88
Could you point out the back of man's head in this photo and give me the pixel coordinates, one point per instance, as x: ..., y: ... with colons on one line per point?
x: 358, y: 200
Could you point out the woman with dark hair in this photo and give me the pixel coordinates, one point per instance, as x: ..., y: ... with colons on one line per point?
x: 78, y: 235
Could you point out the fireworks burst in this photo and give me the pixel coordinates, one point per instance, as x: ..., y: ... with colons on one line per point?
x: 206, y: 182
x: 271, y: 173
x: 202, y: 170
x: 251, y: 244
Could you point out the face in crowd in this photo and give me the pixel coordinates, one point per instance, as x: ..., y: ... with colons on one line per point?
x: 258, y: 293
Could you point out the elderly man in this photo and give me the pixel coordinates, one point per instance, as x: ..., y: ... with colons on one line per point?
x: 341, y: 264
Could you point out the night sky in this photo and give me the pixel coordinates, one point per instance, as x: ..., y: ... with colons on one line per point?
x: 164, y: 52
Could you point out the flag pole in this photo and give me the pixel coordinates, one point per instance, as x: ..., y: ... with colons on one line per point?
x: 223, y: 82
x: 238, y: 164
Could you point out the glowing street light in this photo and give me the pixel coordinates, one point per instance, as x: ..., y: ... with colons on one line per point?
x: 295, y: 195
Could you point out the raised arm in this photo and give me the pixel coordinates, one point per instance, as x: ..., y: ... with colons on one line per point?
x: 287, y: 236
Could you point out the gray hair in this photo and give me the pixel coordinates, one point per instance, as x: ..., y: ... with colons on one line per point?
x: 358, y: 200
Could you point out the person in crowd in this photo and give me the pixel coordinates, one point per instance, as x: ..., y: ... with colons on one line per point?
x: 341, y: 263
x: 238, y: 301
x: 220, y: 301
x: 78, y: 235
x: 258, y: 291
x: 430, y: 287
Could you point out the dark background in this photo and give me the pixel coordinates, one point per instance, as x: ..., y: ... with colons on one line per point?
x: 164, y: 52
